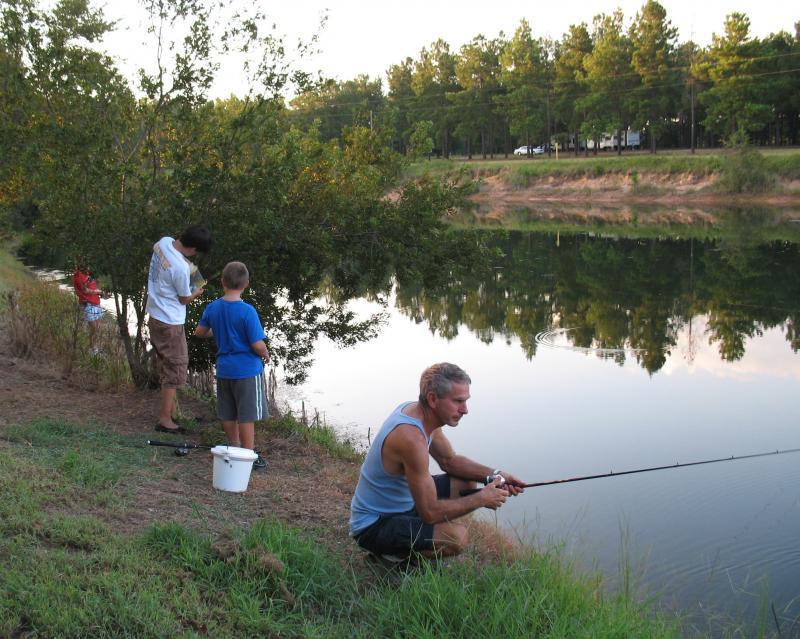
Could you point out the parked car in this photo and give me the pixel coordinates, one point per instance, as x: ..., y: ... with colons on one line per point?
x: 534, y: 150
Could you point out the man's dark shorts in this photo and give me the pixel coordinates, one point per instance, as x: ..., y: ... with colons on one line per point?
x: 398, y: 534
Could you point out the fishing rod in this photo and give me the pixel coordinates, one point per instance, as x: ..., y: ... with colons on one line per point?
x: 488, y: 480
x: 181, y: 449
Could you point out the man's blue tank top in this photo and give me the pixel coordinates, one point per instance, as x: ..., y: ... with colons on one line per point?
x: 379, y: 492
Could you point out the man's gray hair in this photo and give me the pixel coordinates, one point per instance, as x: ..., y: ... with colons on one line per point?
x: 439, y: 380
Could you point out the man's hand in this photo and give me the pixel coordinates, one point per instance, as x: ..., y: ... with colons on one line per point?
x: 513, y: 485
x: 494, y: 495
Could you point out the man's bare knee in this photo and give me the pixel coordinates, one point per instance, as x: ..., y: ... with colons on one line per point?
x: 450, y: 539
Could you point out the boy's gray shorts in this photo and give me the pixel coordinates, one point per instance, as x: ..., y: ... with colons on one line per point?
x: 242, y: 400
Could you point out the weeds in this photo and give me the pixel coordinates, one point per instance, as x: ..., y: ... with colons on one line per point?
x: 318, y: 433
x: 44, y: 321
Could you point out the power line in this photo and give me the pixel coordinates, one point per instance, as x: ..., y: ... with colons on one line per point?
x: 555, y: 83
x: 541, y: 99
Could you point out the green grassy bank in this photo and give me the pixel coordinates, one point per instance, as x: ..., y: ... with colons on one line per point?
x: 781, y: 165
x: 70, y: 571
x: 13, y: 274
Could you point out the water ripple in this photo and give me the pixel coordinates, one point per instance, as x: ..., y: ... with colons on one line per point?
x: 550, y: 339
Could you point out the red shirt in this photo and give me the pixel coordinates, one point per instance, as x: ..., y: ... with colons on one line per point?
x: 84, y: 284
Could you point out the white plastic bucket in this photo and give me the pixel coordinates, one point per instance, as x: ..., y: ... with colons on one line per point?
x: 232, y: 468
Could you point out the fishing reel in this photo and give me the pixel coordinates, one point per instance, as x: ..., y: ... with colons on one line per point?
x: 489, y: 479
x: 181, y: 449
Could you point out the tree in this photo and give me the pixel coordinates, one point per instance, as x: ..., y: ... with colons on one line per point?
x: 433, y: 79
x: 653, y: 40
x: 478, y: 73
x: 331, y: 106
x: 610, y: 79
x: 570, y: 74
x: 420, y: 142
x: 690, y: 110
x: 525, y: 81
x: 778, y: 55
x: 736, y: 99
x: 113, y: 173
x: 401, y: 101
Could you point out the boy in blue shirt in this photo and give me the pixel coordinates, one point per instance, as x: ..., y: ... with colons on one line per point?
x: 241, y: 352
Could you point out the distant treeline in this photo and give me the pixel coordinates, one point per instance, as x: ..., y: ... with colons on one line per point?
x: 496, y: 93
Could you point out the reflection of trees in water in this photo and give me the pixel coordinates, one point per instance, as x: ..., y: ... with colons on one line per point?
x: 617, y: 294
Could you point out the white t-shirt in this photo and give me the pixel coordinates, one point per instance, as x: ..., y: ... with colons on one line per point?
x: 168, y: 278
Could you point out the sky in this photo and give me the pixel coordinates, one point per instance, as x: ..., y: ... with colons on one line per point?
x: 367, y: 37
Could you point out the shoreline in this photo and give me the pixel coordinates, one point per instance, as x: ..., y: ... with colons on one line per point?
x: 621, y: 190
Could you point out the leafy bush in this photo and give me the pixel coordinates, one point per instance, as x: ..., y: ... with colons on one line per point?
x: 745, y: 170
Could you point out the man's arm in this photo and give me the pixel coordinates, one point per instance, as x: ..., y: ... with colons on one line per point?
x: 453, y: 464
x: 186, y: 299
x: 464, y: 467
x: 408, y: 446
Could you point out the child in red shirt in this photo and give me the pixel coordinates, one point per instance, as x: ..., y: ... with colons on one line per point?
x: 88, y: 294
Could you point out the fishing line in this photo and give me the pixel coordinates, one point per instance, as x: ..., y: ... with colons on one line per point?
x: 491, y: 478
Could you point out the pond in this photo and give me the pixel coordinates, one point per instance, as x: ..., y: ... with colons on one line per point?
x: 593, y: 352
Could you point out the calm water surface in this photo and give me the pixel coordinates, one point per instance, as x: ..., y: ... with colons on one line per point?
x: 595, y: 354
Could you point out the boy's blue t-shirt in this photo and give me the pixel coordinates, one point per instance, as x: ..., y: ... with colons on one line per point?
x: 235, y: 326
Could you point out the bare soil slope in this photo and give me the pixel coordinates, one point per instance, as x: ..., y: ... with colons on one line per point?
x: 303, y: 485
x: 677, y: 198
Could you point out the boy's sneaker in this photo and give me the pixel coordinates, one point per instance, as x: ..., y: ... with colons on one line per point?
x: 260, y: 463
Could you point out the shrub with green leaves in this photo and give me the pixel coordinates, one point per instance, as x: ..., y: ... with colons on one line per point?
x: 745, y: 170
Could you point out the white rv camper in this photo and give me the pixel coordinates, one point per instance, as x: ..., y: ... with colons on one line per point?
x: 630, y: 140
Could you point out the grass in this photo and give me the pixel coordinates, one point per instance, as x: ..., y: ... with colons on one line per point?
x: 320, y: 434
x: 520, y: 171
x: 42, y: 318
x: 13, y: 275
x: 69, y: 571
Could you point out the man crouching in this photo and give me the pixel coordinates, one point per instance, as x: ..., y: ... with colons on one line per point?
x: 398, y: 507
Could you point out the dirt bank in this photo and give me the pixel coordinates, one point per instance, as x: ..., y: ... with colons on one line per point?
x: 303, y: 486
x: 687, y: 198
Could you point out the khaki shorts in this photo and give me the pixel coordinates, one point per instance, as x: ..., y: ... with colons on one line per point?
x: 172, y: 354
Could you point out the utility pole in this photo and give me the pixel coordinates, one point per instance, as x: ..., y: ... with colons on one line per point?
x: 547, y: 115
x: 691, y: 90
